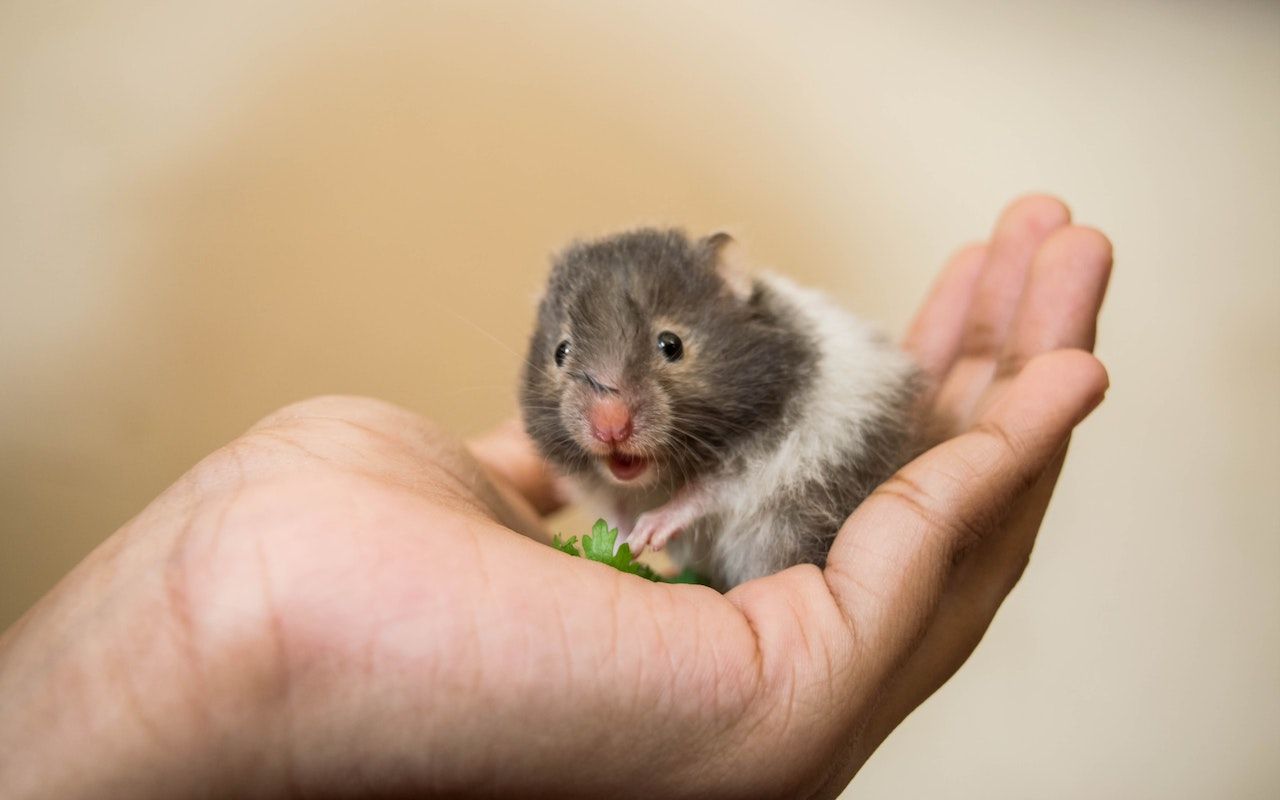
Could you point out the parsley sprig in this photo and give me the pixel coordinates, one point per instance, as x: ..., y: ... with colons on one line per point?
x: 598, y: 546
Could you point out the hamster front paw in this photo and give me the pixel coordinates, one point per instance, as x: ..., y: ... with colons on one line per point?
x: 657, y: 527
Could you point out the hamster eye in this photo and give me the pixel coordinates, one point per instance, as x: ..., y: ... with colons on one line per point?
x: 670, y: 345
x: 562, y: 350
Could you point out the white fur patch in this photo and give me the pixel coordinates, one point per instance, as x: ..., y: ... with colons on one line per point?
x: 854, y: 367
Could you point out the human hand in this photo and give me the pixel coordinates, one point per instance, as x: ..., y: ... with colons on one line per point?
x: 337, y: 603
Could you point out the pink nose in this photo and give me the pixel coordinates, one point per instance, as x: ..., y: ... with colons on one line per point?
x: 610, y: 420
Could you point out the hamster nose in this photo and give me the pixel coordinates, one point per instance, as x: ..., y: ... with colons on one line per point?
x: 610, y: 420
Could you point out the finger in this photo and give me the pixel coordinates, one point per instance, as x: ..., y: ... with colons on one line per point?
x: 1059, y: 308
x: 892, y: 559
x: 977, y: 587
x: 1023, y: 226
x: 510, y: 455
x: 934, y: 337
x: 964, y: 614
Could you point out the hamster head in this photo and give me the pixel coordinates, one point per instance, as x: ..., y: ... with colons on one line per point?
x: 653, y: 358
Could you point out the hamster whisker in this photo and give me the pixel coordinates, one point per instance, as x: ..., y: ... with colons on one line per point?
x: 686, y: 419
x: 491, y: 337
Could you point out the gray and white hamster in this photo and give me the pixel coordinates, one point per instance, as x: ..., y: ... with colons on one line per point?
x: 739, y: 418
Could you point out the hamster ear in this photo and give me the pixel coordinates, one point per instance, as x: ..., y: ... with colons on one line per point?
x: 725, y: 256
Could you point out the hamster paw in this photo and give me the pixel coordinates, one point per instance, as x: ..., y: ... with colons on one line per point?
x: 656, y: 528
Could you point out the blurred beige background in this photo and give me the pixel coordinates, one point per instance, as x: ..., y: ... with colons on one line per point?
x: 207, y: 212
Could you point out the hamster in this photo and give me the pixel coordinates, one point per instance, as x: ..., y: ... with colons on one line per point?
x: 738, y: 419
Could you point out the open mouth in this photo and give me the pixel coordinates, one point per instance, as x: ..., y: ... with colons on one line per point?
x: 626, y: 467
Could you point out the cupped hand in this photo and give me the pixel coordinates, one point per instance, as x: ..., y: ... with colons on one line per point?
x: 346, y: 601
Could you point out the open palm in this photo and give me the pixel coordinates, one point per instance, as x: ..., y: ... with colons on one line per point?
x: 348, y: 601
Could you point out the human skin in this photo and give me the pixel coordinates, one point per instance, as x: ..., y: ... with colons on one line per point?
x: 348, y: 601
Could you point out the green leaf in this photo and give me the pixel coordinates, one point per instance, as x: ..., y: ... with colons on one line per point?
x: 569, y: 547
x: 598, y: 546
x: 687, y: 575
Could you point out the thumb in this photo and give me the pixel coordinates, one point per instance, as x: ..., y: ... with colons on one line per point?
x: 891, y: 560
